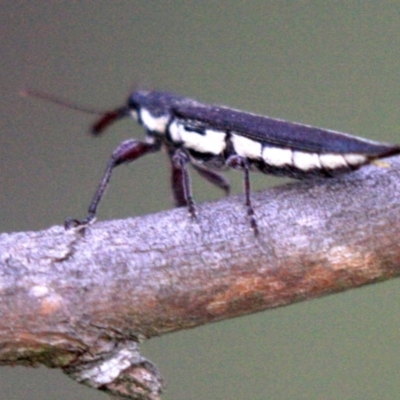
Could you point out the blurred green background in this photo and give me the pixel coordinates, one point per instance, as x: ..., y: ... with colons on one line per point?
x: 334, y: 64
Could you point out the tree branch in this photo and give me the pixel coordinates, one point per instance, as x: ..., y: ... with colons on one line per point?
x: 82, y: 302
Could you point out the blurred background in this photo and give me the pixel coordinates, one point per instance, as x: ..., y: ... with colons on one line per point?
x: 330, y: 64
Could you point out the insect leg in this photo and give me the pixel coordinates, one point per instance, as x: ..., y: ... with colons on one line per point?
x: 180, y: 170
x: 127, y: 151
x: 214, y: 178
x: 177, y: 180
x: 238, y: 162
x: 178, y: 191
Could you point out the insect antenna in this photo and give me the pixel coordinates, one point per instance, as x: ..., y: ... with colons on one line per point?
x: 106, y: 117
x: 60, y: 101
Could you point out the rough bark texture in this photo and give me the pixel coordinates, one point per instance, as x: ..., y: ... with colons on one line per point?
x: 82, y: 302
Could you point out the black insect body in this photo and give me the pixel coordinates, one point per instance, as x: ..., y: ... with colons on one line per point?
x: 214, y: 138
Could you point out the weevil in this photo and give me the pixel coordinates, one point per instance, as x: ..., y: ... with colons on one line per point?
x: 214, y: 138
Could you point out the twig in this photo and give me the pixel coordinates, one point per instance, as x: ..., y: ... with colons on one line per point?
x: 82, y: 302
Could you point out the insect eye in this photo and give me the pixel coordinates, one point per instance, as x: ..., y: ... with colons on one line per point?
x: 133, y: 104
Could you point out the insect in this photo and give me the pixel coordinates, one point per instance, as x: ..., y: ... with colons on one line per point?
x: 213, y: 138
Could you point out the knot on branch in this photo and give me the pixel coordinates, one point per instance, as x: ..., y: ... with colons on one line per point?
x: 122, y: 372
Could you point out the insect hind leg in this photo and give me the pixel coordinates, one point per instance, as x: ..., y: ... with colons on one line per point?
x: 216, y: 179
x: 238, y: 162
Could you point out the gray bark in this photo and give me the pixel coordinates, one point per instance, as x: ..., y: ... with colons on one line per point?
x: 82, y: 301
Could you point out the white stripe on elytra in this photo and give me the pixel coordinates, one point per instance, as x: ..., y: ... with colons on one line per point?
x: 332, y: 161
x: 306, y: 161
x: 246, y: 147
x: 355, y: 159
x: 154, y: 124
x: 175, y: 130
x: 277, y: 157
x: 211, y: 141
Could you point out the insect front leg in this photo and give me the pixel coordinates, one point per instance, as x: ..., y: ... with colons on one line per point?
x: 238, y: 162
x: 127, y: 151
x: 181, y: 185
